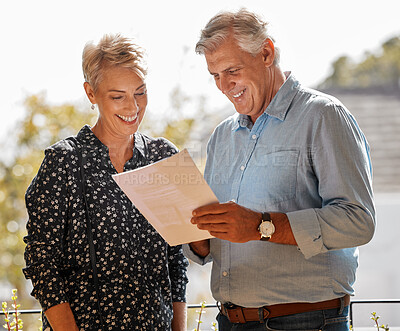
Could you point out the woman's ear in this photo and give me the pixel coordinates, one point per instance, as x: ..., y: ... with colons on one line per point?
x: 268, y: 52
x: 89, y: 92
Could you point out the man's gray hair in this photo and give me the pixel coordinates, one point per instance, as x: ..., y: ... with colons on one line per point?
x: 247, y: 28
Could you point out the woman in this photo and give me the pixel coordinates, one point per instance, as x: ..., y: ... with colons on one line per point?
x: 141, y: 279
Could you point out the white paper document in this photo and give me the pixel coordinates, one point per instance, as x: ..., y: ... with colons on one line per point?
x: 166, y: 193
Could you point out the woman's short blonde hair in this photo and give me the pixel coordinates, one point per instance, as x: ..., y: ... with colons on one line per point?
x: 247, y: 28
x: 111, y: 50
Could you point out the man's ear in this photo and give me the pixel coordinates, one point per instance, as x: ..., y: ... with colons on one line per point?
x: 89, y: 92
x: 268, y: 52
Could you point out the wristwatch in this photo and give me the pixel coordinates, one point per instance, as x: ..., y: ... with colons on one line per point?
x: 266, y: 227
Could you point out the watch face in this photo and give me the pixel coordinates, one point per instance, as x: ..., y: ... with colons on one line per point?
x: 267, y: 229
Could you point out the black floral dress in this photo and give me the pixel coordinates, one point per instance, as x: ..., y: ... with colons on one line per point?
x: 140, y: 275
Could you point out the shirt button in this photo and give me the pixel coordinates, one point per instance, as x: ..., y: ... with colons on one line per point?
x: 254, y: 136
x: 224, y: 274
x: 242, y: 168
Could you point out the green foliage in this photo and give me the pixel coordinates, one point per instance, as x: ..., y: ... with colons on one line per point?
x: 341, y: 68
x: 177, y: 127
x: 178, y: 131
x: 42, y: 125
x: 16, y: 323
x: 200, y: 312
x: 375, y: 318
x: 45, y: 124
x: 199, y: 321
x: 381, y: 69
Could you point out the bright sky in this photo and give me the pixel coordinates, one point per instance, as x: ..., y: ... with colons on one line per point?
x: 42, y: 42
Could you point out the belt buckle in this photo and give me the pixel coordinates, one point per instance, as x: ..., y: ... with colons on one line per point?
x: 226, y: 307
x: 231, y: 315
x: 266, y: 313
x: 229, y: 305
x: 234, y: 313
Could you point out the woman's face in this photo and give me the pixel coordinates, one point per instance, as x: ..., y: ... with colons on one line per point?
x: 121, y: 97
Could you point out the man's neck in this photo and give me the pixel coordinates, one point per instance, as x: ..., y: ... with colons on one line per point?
x: 277, y: 79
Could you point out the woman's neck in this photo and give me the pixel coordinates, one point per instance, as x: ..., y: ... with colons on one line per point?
x: 120, y: 148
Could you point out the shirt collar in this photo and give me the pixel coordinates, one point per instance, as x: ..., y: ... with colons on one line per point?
x: 279, y: 105
x: 139, y: 144
x: 89, y: 139
x: 242, y: 121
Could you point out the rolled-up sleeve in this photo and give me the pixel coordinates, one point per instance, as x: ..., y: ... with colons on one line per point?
x: 177, y: 264
x: 47, y: 205
x: 341, y: 163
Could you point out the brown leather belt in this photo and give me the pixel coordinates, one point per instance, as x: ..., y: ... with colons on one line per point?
x: 237, y: 314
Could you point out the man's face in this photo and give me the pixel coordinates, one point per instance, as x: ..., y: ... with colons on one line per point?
x: 243, y: 78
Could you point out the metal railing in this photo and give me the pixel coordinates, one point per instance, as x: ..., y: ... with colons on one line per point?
x: 360, y: 302
x: 194, y: 306
x: 39, y: 311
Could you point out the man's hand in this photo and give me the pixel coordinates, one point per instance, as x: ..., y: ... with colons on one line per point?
x: 201, y: 247
x: 228, y: 221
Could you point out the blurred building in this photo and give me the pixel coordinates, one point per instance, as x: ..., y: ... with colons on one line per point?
x: 377, y: 111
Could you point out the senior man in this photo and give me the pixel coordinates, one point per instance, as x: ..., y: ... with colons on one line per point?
x: 293, y: 174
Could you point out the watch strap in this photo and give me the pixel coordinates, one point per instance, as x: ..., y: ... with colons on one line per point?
x: 265, y: 217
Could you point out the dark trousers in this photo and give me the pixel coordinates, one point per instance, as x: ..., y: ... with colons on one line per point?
x: 327, y: 320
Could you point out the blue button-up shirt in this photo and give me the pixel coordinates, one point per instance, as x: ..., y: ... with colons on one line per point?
x: 307, y: 157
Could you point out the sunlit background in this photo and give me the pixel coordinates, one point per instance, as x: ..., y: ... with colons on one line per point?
x: 40, y: 54
x: 42, y: 42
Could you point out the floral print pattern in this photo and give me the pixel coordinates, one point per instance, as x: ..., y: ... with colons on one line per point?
x: 139, y: 274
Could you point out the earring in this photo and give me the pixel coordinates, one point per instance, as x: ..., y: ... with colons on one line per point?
x: 93, y: 107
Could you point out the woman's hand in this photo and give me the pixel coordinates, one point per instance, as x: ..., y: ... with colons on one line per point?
x: 61, y: 318
x: 179, y: 319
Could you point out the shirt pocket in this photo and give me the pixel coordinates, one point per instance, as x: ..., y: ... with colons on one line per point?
x: 274, y: 176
